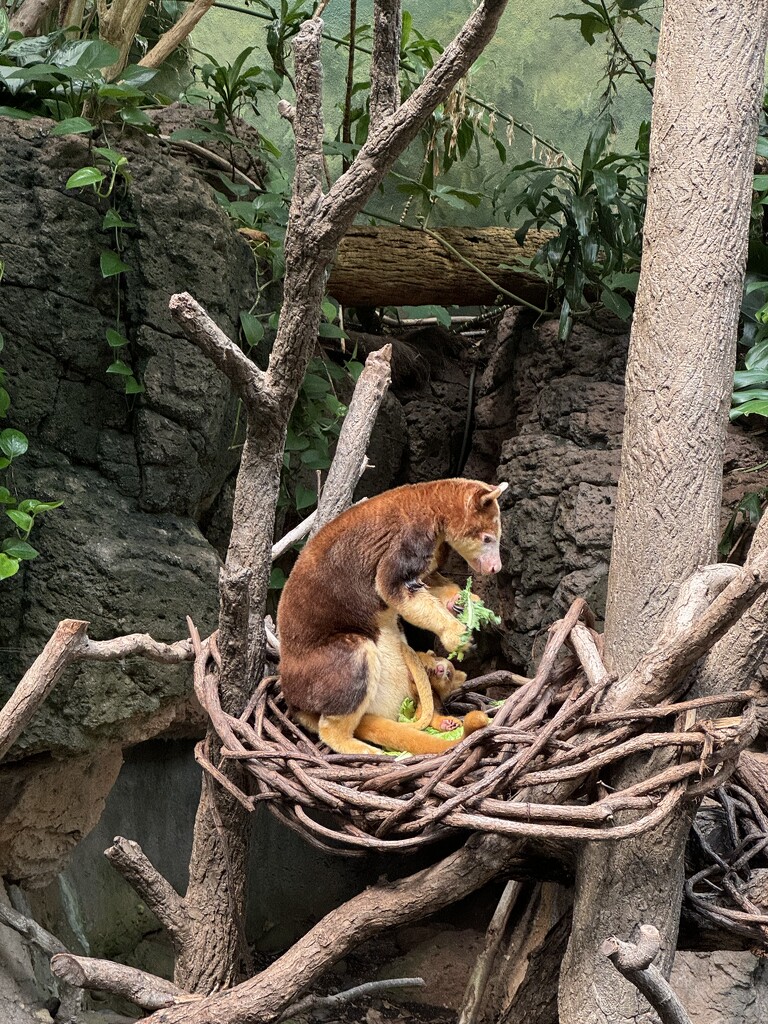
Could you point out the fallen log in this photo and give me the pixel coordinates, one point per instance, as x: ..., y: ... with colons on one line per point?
x: 394, y: 266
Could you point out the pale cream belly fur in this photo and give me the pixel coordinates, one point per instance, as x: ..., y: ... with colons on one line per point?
x: 393, y: 684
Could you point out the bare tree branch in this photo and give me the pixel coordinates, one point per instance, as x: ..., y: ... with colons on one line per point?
x: 145, y: 990
x: 353, y: 189
x: 635, y: 962
x: 31, y: 931
x: 243, y: 374
x: 30, y: 15
x: 38, y: 681
x: 475, y: 991
x: 176, y: 34
x: 159, y: 895
x: 355, y: 435
x: 385, y: 63
x: 369, y: 988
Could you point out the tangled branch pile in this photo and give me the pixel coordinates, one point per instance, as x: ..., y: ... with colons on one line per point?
x: 549, y: 733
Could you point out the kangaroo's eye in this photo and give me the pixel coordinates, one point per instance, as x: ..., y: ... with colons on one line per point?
x: 488, y: 539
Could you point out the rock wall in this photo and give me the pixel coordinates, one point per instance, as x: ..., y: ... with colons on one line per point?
x: 549, y: 415
x: 136, y: 475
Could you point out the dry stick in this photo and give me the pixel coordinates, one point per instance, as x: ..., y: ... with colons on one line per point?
x: 31, y: 931
x: 354, y: 437
x: 159, y: 895
x: 63, y: 648
x: 369, y: 988
x: 475, y: 990
x: 145, y: 990
x: 70, y: 643
x: 635, y: 962
x: 176, y: 35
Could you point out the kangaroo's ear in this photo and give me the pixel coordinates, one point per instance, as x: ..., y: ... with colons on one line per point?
x: 489, y: 496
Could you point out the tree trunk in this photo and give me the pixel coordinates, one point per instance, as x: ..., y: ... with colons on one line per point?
x: 390, y: 266
x: 709, y: 83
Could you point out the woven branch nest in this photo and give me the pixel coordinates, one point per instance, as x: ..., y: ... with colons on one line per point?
x: 546, y: 733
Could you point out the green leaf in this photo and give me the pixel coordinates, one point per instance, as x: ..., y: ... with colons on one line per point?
x: 73, y: 126
x: 4, y: 463
x: 330, y: 331
x: 112, y: 219
x: 137, y: 118
x: 21, y: 519
x: 756, y: 408
x: 121, y: 368
x: 20, y: 115
x: 440, y: 313
x: 8, y: 567
x: 305, y: 497
x: 111, y: 264
x: 329, y: 309
x: 313, y: 459
x: 111, y: 155
x: 132, y: 386
x: 750, y: 394
x: 5, y: 402
x: 760, y: 182
x: 314, y: 386
x: 6, y: 498
x: 616, y: 303
x: 85, y: 176
x: 583, y: 207
x: 34, y: 507
x: 115, y: 339
x: 13, y: 443
x: 253, y: 329
x: 277, y: 579
x: 762, y: 146
x: 19, y: 549
x: 90, y: 54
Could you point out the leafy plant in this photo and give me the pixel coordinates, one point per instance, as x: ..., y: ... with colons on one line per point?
x: 596, y: 210
x: 108, y: 182
x: 474, y: 615
x: 747, y: 513
x: 15, y: 549
x: 63, y: 79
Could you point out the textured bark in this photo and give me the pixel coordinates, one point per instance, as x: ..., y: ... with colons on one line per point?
x: 391, y: 266
x: 32, y: 13
x: 211, y: 960
x: 682, y: 354
x: 385, y: 64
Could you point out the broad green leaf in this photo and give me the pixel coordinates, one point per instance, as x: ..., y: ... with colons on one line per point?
x: 277, y: 579
x: 760, y: 182
x: 583, y: 207
x: 85, y: 176
x: 20, y: 115
x: 329, y: 309
x: 743, y: 378
x: 330, y: 331
x: 21, y: 519
x: 34, y: 507
x: 112, y: 219
x: 315, y: 460
x: 72, y: 126
x: 315, y: 386
x: 751, y: 394
x: 132, y: 386
x: 19, y: 549
x: 8, y: 567
x: 115, y: 339
x: 762, y: 146
x: 253, y: 328
x: 111, y: 155
x: 616, y: 303
x: 440, y: 313
x: 120, y: 368
x: 757, y: 408
x: 92, y: 54
x: 757, y: 357
x: 4, y: 463
x: 13, y: 443
x: 137, y: 118
x: 305, y: 497
x: 111, y: 264
x: 607, y: 185
x: 6, y: 498
x: 5, y: 402
x: 126, y: 91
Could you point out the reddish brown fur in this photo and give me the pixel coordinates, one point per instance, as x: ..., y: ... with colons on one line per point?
x: 342, y: 651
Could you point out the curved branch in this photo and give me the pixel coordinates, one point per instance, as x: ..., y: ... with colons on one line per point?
x: 635, y: 962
